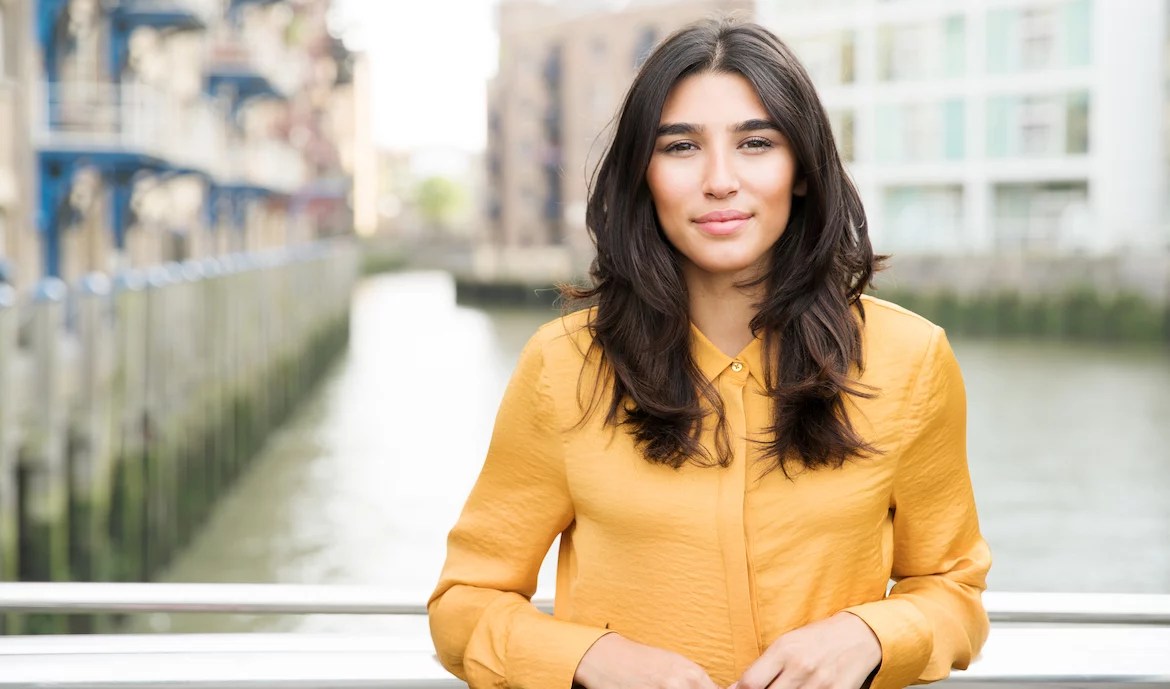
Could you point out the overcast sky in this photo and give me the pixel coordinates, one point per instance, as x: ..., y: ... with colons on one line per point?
x: 429, y: 62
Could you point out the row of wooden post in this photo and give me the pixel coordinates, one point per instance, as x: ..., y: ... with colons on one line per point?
x: 127, y: 406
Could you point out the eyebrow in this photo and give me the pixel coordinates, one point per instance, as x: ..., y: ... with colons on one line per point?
x: 688, y: 128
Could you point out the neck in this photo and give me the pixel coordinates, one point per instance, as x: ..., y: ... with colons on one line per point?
x: 720, y: 310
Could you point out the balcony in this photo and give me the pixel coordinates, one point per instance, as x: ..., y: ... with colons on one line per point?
x: 180, y: 135
x: 170, y: 15
x: 9, y: 103
x: 271, y: 164
x: 131, y: 119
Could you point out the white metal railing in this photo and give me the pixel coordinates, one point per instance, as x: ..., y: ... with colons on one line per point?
x: 79, y: 597
x: 1037, y: 640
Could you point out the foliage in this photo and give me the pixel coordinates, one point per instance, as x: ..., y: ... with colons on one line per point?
x: 439, y: 200
x: 1082, y: 313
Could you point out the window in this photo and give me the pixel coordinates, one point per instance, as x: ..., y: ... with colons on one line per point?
x: 1037, y: 37
x: 1040, y: 122
x: 922, y: 218
x: 1039, y: 126
x: 919, y: 132
x: 901, y: 53
x: 597, y: 47
x: 830, y: 59
x: 1040, y: 216
x: 922, y: 51
x: 5, y: 47
x: 5, y: 250
x: 644, y: 45
x: 842, y: 122
x: 1057, y: 36
x: 1077, y: 123
x: 1078, y: 37
x: 848, y: 57
x: 954, y: 46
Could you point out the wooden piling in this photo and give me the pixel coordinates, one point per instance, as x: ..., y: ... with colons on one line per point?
x: 128, y: 514
x: 9, y: 443
x: 43, y: 481
x: 140, y: 411
x: 89, y: 452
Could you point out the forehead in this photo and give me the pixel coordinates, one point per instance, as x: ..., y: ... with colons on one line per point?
x: 712, y: 98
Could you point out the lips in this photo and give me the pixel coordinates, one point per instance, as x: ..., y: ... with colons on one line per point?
x: 723, y: 216
x: 721, y: 223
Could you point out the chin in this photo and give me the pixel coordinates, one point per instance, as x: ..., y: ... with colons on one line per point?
x: 722, y: 265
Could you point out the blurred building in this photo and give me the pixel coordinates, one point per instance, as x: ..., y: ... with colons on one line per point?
x: 18, y: 239
x: 563, y: 70
x: 1034, y: 126
x: 1166, y: 119
x: 146, y: 131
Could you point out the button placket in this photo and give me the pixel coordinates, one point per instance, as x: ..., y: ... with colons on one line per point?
x: 733, y: 538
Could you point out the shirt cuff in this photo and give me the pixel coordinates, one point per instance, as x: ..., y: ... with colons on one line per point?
x: 544, y: 652
x: 905, y: 638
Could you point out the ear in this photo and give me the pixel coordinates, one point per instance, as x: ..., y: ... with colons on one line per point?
x: 801, y: 187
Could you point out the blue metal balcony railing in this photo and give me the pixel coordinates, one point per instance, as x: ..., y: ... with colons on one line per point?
x: 128, y: 15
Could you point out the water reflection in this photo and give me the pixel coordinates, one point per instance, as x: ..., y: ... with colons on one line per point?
x: 1068, y: 455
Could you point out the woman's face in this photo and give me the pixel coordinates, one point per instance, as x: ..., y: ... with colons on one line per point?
x: 721, y: 176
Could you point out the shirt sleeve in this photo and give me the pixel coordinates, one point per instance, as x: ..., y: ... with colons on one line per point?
x: 933, y: 618
x: 484, y: 627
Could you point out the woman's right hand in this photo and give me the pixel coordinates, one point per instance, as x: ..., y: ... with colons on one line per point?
x: 615, y: 662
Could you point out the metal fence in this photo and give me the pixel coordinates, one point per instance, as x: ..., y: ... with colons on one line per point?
x: 1037, y: 640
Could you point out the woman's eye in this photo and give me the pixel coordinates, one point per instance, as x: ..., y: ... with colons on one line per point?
x: 757, y: 143
x: 679, y: 146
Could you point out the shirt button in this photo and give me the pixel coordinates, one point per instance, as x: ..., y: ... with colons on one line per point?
x: 736, y: 366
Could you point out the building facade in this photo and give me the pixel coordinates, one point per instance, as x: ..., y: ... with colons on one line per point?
x: 18, y: 239
x: 1029, y: 126
x: 163, y: 130
x: 563, y: 70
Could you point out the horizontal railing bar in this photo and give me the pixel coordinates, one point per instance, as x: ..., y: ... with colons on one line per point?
x: 80, y: 597
x: 76, y: 597
x: 1036, y: 656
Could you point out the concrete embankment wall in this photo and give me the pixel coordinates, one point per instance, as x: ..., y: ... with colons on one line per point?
x: 128, y: 406
x: 1115, y: 297
x: 1119, y: 297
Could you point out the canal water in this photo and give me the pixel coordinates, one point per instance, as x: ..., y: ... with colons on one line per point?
x: 1069, y: 453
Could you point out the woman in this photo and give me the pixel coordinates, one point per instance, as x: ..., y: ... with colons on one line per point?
x: 738, y: 450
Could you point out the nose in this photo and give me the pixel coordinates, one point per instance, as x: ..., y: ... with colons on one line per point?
x: 719, y: 178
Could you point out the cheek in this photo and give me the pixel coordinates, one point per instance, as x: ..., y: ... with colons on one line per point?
x: 668, y: 189
x: 773, y: 182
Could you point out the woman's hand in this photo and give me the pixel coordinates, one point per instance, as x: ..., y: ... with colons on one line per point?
x: 614, y: 662
x: 835, y: 653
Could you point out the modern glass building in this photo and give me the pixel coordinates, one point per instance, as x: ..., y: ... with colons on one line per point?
x: 1034, y: 126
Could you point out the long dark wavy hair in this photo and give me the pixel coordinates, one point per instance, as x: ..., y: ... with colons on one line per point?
x: 817, y: 273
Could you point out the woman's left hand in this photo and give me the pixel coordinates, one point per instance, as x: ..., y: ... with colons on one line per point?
x: 834, y: 653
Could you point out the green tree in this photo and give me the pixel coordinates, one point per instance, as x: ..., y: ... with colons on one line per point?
x: 438, y: 200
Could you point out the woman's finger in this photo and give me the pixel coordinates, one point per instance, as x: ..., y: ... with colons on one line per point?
x: 761, y: 673
x: 796, y: 675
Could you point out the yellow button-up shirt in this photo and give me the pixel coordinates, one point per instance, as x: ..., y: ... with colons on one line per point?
x: 716, y: 562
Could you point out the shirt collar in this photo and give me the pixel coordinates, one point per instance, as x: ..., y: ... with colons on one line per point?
x: 712, y: 362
